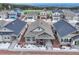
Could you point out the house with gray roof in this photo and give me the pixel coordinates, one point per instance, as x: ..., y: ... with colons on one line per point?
x: 57, y: 15
x: 39, y: 33
x: 64, y: 31
x: 16, y: 26
x: 6, y: 35
x: 69, y: 15
x: 12, y: 32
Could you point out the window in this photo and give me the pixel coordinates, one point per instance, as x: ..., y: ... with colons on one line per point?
x: 61, y: 40
x: 8, y: 37
x: 30, y: 17
x: 4, y: 28
x: 28, y: 38
x: 5, y: 38
x: 33, y: 38
x: 76, y: 42
x: 66, y: 40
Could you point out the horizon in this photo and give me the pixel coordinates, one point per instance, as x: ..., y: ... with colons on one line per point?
x: 50, y: 4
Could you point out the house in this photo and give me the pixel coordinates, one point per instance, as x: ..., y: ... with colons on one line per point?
x: 69, y: 15
x: 31, y: 17
x: 76, y: 17
x: 11, y: 33
x: 64, y: 31
x: 39, y: 33
x: 15, y: 13
x: 19, y: 11
x: 57, y: 15
x: 18, y: 27
x: 75, y: 41
x: 12, y: 15
x: 3, y: 14
x: 6, y: 35
x: 45, y: 14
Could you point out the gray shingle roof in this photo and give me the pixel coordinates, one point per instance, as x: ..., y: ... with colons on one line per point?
x: 39, y: 23
x: 60, y: 11
x: 63, y: 28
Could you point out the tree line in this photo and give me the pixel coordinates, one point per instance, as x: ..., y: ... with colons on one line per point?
x: 7, y: 6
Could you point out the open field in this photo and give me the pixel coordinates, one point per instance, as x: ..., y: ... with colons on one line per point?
x: 30, y: 11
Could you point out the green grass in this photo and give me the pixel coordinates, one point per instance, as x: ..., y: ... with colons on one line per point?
x: 30, y: 11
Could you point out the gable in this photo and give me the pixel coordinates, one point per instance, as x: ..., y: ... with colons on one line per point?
x: 44, y: 34
x: 38, y: 29
x: 3, y: 29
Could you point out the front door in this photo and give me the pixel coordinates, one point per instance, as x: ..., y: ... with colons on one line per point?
x: 41, y: 41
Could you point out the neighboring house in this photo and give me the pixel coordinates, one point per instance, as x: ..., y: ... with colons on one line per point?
x: 19, y: 11
x: 64, y: 31
x: 12, y: 15
x: 57, y: 15
x: 31, y: 17
x: 6, y: 35
x: 76, y: 17
x: 3, y: 14
x: 45, y: 14
x: 39, y: 33
x: 69, y: 15
x: 18, y: 27
x: 75, y: 41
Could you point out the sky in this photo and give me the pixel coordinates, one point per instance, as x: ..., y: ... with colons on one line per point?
x: 52, y: 4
